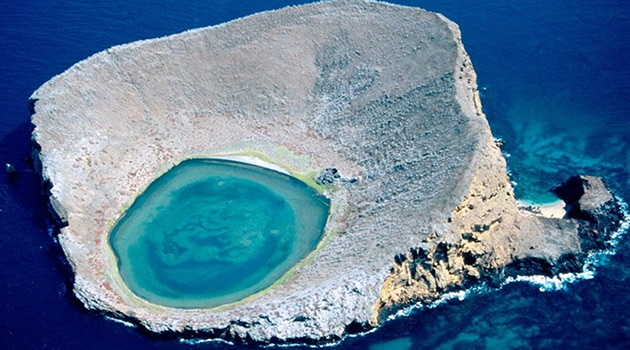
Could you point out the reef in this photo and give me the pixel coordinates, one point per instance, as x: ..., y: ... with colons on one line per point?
x: 376, y: 105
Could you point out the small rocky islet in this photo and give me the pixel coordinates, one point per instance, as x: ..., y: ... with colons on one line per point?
x: 374, y: 104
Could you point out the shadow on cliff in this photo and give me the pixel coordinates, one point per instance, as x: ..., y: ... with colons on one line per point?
x: 24, y: 206
x: 24, y: 184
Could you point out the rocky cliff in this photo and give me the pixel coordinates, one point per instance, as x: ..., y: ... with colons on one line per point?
x: 384, y: 94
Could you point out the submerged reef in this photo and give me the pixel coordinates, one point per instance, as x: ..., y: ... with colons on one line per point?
x: 376, y: 105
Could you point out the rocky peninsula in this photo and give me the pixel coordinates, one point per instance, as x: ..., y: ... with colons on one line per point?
x: 376, y: 105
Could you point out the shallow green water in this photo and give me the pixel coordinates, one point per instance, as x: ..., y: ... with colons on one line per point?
x: 211, y: 232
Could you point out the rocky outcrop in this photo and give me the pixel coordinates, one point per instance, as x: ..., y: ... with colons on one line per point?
x: 425, y: 273
x: 589, y: 201
x: 374, y: 103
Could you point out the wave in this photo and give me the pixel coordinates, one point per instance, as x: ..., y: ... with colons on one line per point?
x: 198, y: 341
x: 118, y: 320
x: 594, y: 260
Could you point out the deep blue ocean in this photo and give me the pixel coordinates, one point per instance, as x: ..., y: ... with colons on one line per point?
x: 555, y: 83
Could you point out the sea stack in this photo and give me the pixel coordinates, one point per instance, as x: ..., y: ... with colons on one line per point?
x: 374, y: 104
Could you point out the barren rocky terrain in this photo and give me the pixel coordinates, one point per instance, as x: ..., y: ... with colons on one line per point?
x: 384, y: 94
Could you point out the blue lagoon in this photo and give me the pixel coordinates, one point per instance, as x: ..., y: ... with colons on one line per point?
x: 211, y: 232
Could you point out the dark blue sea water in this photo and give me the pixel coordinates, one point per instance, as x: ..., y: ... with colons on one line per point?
x: 556, y: 86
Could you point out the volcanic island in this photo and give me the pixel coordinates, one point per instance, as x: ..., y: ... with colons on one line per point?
x: 373, y: 106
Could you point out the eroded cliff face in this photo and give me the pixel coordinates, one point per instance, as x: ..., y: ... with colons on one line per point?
x: 384, y: 94
x: 489, y: 239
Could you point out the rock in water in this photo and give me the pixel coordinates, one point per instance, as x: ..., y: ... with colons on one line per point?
x: 11, y: 171
x: 588, y: 200
x: 384, y: 94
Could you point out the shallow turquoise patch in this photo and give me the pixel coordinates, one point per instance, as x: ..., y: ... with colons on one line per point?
x: 211, y: 232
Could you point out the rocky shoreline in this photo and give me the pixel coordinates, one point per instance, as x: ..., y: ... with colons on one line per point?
x: 376, y: 103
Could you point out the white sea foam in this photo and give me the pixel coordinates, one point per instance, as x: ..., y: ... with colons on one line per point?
x: 197, y: 341
x: 322, y: 345
x: 117, y: 320
x: 593, y: 260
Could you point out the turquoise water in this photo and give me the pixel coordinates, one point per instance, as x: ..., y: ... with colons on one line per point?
x: 211, y: 232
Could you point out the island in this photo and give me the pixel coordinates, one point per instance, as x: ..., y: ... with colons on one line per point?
x: 373, y: 105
